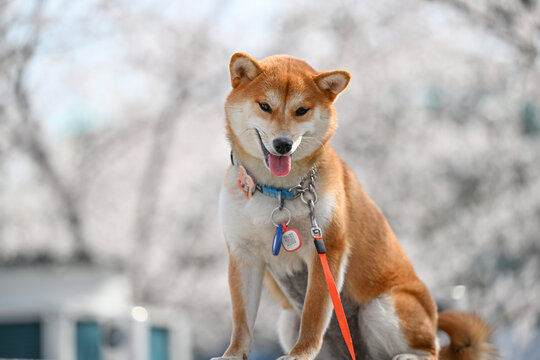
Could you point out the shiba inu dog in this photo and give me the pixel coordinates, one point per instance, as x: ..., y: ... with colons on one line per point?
x: 287, y: 186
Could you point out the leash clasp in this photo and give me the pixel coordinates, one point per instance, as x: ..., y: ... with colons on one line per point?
x: 316, y: 232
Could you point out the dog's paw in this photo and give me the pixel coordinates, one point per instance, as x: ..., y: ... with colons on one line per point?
x: 244, y: 357
x: 410, y: 357
x: 293, y: 357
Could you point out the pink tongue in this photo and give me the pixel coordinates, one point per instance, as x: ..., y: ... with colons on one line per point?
x: 279, y: 165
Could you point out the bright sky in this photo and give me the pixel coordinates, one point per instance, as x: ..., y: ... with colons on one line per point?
x: 83, y: 70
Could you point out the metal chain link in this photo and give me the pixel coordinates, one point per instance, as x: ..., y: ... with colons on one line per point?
x: 306, y: 191
x: 308, y: 195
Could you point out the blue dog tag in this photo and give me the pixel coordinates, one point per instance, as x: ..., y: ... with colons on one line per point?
x: 276, y: 244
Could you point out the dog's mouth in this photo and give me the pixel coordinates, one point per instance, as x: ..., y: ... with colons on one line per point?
x: 279, y: 165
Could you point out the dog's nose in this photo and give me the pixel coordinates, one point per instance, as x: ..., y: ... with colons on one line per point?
x: 282, y: 145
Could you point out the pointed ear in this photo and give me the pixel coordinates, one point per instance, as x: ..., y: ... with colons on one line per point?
x: 332, y: 82
x: 244, y: 68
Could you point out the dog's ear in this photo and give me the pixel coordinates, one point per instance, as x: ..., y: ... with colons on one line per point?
x: 244, y: 68
x: 332, y: 82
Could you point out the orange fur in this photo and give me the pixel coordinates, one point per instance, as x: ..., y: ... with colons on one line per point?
x: 357, y: 234
x: 417, y: 313
x: 468, y: 334
x: 240, y: 335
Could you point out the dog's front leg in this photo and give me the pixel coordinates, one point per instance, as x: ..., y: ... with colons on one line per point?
x: 245, y: 283
x: 317, y: 309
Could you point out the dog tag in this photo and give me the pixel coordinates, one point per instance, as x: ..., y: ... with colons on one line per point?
x: 276, y: 244
x: 291, y: 239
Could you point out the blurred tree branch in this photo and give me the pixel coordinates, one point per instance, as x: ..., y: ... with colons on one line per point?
x: 516, y: 22
x: 27, y: 132
x: 163, y: 135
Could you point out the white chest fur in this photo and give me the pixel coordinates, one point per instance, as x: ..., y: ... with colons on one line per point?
x: 249, y: 230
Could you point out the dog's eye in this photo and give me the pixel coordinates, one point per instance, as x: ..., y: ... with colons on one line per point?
x: 265, y: 107
x: 301, y: 111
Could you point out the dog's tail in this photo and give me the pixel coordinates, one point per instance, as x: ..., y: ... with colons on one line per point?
x: 469, y: 336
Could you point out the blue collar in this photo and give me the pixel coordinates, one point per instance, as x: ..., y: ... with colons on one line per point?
x: 274, y: 192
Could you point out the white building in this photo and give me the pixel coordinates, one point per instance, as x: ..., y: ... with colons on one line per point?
x: 83, y: 312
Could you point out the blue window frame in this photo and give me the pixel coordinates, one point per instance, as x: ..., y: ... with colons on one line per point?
x: 159, y: 343
x: 20, y: 340
x: 88, y: 340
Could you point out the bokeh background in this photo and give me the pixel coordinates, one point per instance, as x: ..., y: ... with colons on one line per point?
x: 112, y: 146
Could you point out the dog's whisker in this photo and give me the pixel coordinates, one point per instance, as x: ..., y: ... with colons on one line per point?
x: 311, y: 139
x: 261, y: 131
x: 245, y: 133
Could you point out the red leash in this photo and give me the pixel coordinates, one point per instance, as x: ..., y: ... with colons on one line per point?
x: 334, y: 294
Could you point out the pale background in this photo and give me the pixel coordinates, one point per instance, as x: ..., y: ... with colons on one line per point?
x: 112, y: 145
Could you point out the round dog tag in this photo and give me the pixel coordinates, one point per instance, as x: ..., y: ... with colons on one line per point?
x: 291, y: 239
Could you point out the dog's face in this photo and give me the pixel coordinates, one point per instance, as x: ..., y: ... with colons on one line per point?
x: 281, y: 110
